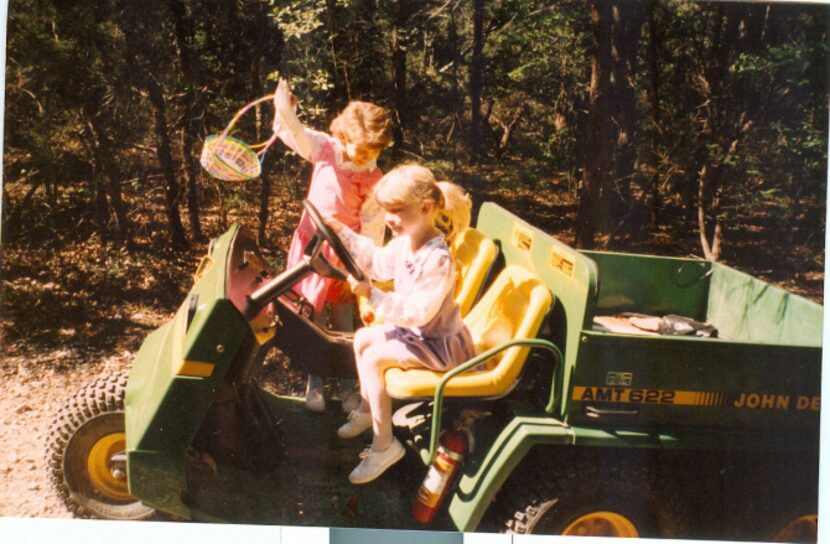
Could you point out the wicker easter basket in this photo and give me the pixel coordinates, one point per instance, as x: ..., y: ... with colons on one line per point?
x: 231, y: 159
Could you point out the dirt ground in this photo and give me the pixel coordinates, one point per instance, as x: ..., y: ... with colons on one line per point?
x: 33, y: 391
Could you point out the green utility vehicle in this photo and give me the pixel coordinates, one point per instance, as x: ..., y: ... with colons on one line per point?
x: 577, y: 425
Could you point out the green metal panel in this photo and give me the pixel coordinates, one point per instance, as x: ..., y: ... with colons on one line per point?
x: 747, y: 309
x: 164, y: 410
x: 650, y: 284
x: 570, y: 275
x: 158, y: 480
x: 674, y: 382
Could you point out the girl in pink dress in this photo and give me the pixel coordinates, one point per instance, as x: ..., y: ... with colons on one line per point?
x: 344, y: 173
x: 423, y: 327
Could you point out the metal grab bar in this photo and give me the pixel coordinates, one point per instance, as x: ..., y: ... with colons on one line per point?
x: 438, y: 399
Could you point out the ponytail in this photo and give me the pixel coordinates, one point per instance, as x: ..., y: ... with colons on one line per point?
x: 455, y: 212
x: 411, y: 183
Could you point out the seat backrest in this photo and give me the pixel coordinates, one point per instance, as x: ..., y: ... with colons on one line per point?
x: 513, y: 307
x: 474, y: 255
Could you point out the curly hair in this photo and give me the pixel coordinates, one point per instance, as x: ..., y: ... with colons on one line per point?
x: 363, y: 123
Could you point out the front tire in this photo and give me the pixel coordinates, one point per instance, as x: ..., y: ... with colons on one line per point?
x: 85, y: 453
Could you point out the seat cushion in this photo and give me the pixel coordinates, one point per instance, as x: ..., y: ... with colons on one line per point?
x: 512, y: 308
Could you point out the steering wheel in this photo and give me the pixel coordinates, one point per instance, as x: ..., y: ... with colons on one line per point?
x: 334, y: 241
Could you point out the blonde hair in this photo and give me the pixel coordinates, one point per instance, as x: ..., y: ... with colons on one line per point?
x: 409, y: 184
x: 456, y: 215
x: 365, y: 124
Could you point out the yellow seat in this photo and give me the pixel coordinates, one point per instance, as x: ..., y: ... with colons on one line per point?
x: 474, y: 255
x: 512, y: 308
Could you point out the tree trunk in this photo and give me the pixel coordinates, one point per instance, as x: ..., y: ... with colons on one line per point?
x: 147, y: 58
x: 114, y: 176
x: 171, y: 189
x: 263, y: 125
x: 341, y: 90
x: 363, y: 41
x: 723, y: 127
x: 599, y: 136
x: 711, y: 251
x: 510, y: 127
x: 627, y: 22
x: 194, y: 125
x: 475, y: 79
x: 97, y: 178
x: 101, y: 206
x: 654, y: 101
x: 456, y: 94
x: 399, y: 17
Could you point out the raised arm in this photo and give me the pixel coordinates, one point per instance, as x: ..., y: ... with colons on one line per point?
x: 302, y: 140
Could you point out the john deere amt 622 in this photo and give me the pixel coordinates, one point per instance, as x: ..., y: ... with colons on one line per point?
x: 586, y: 412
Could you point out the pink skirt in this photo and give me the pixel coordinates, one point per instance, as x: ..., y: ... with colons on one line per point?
x: 316, y: 289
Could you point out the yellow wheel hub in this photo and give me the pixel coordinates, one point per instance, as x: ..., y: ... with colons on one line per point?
x: 108, y: 478
x: 802, y: 529
x: 602, y: 524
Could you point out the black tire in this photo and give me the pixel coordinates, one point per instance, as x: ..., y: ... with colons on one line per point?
x: 94, y: 414
x: 792, y: 511
x: 798, y: 525
x: 581, y: 494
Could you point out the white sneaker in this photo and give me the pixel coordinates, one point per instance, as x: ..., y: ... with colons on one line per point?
x: 351, y: 401
x: 358, y: 423
x: 314, y: 399
x: 374, y: 463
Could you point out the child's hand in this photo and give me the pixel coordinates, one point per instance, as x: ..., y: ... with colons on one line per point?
x: 284, y: 100
x: 360, y: 288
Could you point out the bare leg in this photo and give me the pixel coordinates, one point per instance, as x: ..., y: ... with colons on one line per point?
x: 363, y: 339
x: 371, y: 366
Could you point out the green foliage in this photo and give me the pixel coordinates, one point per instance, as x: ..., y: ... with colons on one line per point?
x: 298, y: 19
x: 738, y: 91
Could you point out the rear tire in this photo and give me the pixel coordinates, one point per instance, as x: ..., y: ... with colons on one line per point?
x: 798, y: 528
x: 797, y: 525
x: 603, y: 496
x: 84, y: 453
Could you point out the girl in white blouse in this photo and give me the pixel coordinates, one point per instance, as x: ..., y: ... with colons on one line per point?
x: 423, y: 327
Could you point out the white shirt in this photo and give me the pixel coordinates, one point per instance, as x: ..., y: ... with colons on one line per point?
x: 423, y: 278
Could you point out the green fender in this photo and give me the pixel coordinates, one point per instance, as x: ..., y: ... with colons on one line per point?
x: 480, y: 483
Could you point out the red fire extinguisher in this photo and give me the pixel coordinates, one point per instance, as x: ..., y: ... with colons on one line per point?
x: 448, y: 459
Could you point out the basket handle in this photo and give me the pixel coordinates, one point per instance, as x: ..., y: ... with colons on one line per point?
x: 243, y: 111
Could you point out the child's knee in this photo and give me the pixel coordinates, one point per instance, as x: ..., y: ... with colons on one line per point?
x: 374, y: 357
x: 362, y: 339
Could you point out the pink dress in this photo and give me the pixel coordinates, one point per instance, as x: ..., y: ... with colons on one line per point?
x: 423, y: 321
x: 335, y: 190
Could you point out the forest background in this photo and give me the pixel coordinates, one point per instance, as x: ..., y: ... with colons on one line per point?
x: 673, y: 128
